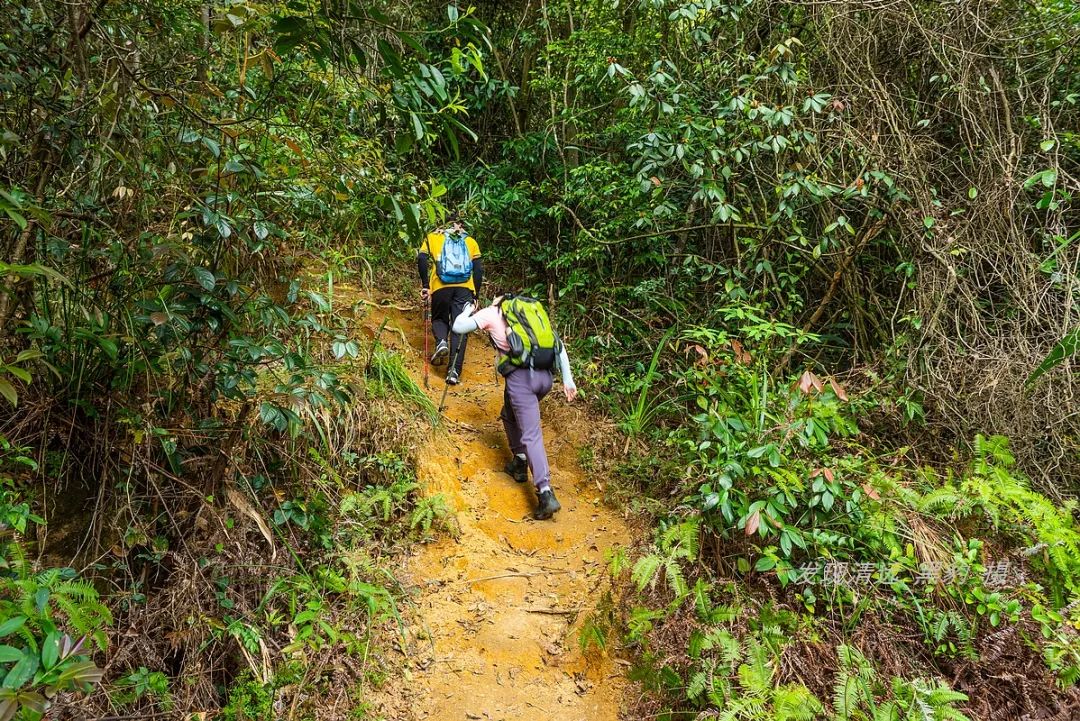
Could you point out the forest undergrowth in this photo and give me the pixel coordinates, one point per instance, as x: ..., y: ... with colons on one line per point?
x: 816, y: 261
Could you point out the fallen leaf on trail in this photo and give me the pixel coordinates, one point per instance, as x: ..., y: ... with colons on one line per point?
x: 838, y: 390
x: 869, y: 490
x: 829, y: 476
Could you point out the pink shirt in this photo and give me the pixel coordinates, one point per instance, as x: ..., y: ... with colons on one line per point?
x: 491, y: 320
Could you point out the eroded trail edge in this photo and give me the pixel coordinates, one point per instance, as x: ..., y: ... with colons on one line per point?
x: 495, y: 634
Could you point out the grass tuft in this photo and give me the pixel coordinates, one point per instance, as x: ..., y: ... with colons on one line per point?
x: 387, y: 374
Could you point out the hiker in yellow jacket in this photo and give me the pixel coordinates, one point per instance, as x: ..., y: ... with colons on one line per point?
x: 451, y: 274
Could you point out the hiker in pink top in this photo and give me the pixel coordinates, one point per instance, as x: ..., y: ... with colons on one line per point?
x: 522, y: 392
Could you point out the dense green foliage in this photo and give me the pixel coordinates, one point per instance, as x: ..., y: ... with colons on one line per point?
x: 174, y: 178
x: 821, y: 259
x: 817, y: 259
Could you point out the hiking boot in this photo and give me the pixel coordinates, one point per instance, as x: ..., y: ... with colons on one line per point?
x: 452, y: 378
x: 547, y: 507
x: 442, y: 352
x: 518, y: 469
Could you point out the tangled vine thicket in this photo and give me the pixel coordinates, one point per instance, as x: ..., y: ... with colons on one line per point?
x: 956, y: 100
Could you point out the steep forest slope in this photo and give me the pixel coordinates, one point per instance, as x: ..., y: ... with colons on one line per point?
x: 816, y: 262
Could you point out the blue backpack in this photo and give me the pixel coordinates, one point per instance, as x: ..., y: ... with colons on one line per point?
x: 454, y: 264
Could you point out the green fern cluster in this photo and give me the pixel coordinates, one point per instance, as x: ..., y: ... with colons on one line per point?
x: 430, y: 511
x: 737, y: 681
x: 1009, y: 505
x: 52, y: 597
x: 950, y: 631
x: 858, y: 689
x: 1061, y: 642
x: 675, y: 544
x: 45, y: 618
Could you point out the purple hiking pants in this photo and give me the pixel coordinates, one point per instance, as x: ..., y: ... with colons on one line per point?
x: 520, y: 415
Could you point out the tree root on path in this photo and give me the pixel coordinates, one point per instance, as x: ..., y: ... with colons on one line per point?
x: 553, y: 611
x: 373, y: 304
x: 512, y: 575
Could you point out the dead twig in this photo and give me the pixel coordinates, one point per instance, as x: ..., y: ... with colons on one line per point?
x: 510, y: 575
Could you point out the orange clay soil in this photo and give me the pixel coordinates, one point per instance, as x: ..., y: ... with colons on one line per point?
x: 495, y: 629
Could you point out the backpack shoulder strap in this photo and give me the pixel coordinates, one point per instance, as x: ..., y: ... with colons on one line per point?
x: 529, y: 330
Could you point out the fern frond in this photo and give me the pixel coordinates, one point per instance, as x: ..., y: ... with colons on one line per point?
x: 675, y: 580
x: 795, y: 703
x: 755, y: 676
x: 886, y: 712
x: 682, y: 540
x: 946, y: 499
x: 846, y: 696
x: 698, y: 683
x: 730, y: 648
x: 644, y: 573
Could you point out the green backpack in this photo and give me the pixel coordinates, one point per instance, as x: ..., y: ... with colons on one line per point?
x: 533, y: 342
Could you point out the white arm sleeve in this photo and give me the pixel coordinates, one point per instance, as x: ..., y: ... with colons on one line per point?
x: 564, y: 369
x: 465, y: 323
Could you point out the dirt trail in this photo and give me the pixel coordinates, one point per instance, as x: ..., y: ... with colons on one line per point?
x: 500, y: 606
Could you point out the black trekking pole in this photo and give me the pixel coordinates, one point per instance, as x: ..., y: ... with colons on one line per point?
x: 453, y: 363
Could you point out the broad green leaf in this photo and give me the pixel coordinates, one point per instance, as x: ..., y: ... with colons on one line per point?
x: 80, y: 673
x: 1065, y: 348
x: 10, y: 654
x: 21, y: 672
x: 12, y: 625
x: 8, y: 392
x: 204, y: 277
x: 1047, y: 177
x: 19, y: 218
x: 31, y: 270
x: 50, y: 650
x: 19, y: 373
x: 223, y: 228
x: 109, y: 346
x: 41, y: 599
